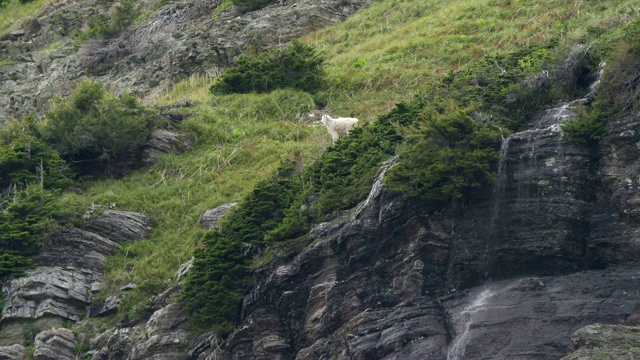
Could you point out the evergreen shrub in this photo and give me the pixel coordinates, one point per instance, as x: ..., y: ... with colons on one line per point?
x: 220, y: 276
x: 455, y: 154
x: 298, y: 66
x: 25, y: 222
x: 31, y: 174
x: 26, y: 159
x: 590, y: 126
x: 94, y: 130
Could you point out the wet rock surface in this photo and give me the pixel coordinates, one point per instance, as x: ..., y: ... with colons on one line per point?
x: 532, y: 318
x: 393, y: 278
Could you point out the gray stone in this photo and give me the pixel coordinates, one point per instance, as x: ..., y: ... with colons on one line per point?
x: 18, y: 331
x: 50, y: 291
x: 184, y: 269
x: 129, y: 286
x: 68, y: 272
x: 534, y: 317
x: 55, y: 344
x: 121, y: 225
x: 211, y: 218
x: 17, y: 33
x: 163, y: 336
x: 13, y: 352
x: 164, y: 142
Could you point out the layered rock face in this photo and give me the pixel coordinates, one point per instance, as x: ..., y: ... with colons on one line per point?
x: 550, y: 249
x: 536, y: 218
x: 68, y: 272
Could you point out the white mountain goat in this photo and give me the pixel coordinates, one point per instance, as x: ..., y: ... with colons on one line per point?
x: 339, y: 126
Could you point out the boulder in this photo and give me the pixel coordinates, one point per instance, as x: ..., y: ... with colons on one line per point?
x: 55, y: 344
x: 210, y: 220
x: 107, y: 307
x: 164, y: 142
x: 121, y: 225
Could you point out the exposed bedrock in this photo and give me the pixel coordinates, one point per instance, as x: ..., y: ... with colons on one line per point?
x: 551, y: 248
x: 180, y: 40
x: 68, y: 272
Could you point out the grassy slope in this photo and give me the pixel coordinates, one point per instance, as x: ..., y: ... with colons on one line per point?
x: 397, y: 48
x: 232, y: 152
x: 380, y: 56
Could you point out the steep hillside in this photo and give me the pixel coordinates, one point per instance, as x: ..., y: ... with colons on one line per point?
x: 483, y: 209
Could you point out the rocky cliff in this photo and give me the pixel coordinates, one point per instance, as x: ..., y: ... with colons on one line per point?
x: 550, y: 249
x: 543, y: 263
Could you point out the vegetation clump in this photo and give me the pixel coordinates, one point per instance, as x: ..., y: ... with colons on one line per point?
x: 454, y: 155
x: 298, y: 66
x: 104, y: 26
x: 94, y: 130
x: 220, y: 276
x: 590, y: 127
x: 31, y: 174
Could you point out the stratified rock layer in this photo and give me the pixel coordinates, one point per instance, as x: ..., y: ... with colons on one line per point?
x: 55, y: 344
x: 13, y: 352
x: 68, y: 272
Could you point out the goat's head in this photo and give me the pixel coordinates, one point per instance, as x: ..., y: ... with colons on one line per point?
x: 324, y: 119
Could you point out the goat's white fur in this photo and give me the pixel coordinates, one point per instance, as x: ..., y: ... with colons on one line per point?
x: 338, y: 126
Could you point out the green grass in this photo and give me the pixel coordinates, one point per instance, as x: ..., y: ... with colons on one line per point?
x: 378, y: 57
x: 51, y: 47
x: 395, y: 49
x: 240, y: 140
x: 15, y: 12
x: 7, y: 62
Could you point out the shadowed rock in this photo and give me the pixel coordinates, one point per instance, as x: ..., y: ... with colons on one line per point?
x: 68, y: 272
